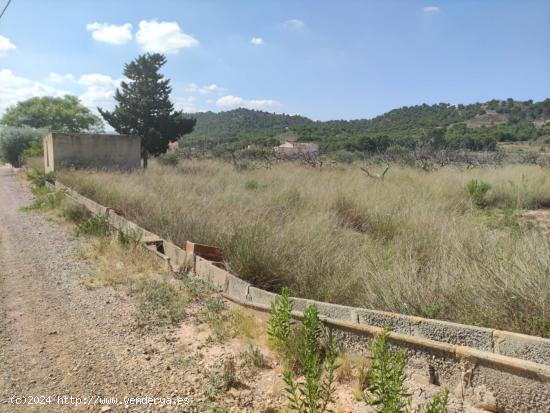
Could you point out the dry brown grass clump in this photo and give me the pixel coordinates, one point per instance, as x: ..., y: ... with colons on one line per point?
x: 413, y: 243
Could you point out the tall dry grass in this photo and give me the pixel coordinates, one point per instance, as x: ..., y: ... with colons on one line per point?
x: 413, y: 243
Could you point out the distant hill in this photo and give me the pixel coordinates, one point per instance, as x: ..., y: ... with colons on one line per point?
x: 474, y: 126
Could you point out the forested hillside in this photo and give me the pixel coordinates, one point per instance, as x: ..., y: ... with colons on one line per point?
x: 476, y: 126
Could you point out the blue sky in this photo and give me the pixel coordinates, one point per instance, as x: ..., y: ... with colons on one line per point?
x: 323, y: 59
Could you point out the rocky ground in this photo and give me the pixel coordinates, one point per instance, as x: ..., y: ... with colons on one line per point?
x: 68, y: 343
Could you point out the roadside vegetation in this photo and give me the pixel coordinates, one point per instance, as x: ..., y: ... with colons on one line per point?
x: 430, y: 244
x: 311, y: 383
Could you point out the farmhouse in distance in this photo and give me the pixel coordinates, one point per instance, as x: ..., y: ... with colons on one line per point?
x: 289, y: 148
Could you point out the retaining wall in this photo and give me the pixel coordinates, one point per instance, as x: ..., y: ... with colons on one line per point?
x: 495, y: 370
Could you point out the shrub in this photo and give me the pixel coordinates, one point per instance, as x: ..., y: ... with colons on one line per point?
x: 129, y: 238
x: 45, y: 198
x: 343, y: 156
x: 169, y: 158
x: 316, y: 391
x: 354, y: 216
x: 224, y: 323
x: 159, y: 303
x: 439, y: 404
x: 280, y: 323
x: 253, y: 356
x: 75, y: 213
x: 386, y: 389
x: 14, y: 141
x: 477, y: 190
x: 251, y: 184
x: 39, y: 177
x: 386, y: 379
x: 229, y: 374
x: 97, y: 225
x: 35, y: 150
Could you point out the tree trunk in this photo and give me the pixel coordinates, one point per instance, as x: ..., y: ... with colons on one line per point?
x: 145, y: 156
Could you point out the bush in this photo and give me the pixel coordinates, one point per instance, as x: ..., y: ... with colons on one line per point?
x: 343, y: 156
x: 478, y: 190
x: 34, y: 150
x: 169, y: 158
x: 251, y: 184
x: 280, y: 322
x: 75, y: 213
x: 386, y: 378
x: 316, y: 391
x: 254, y: 357
x: 39, y: 178
x: 14, y: 141
x: 45, y: 198
x: 97, y: 225
x: 439, y: 404
x: 129, y: 239
x: 160, y: 303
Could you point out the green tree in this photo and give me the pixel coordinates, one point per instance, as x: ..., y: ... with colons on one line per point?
x: 65, y: 114
x: 14, y: 141
x: 144, y: 108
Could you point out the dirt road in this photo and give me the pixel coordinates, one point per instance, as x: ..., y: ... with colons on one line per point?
x: 58, y: 338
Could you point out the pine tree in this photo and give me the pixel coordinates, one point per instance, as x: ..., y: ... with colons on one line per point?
x: 143, y: 107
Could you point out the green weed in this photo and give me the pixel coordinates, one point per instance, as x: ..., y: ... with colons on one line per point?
x: 97, y: 225
x: 280, y: 323
x: 386, y: 389
x: 129, y: 238
x: 159, y: 303
x: 315, y: 392
x: 478, y: 190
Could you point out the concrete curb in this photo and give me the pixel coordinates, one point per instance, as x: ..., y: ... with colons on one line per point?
x: 493, y: 369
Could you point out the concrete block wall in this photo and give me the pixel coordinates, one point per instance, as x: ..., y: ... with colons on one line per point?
x: 91, y: 150
x: 494, y: 370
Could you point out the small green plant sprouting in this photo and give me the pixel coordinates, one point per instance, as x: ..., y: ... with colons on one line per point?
x: 478, y: 190
x: 386, y: 378
x: 97, y: 225
x: 280, y: 322
x: 315, y: 392
x: 439, y: 404
x: 251, y: 184
x: 129, y: 238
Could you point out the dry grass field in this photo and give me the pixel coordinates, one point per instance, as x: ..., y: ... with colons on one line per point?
x: 414, y: 243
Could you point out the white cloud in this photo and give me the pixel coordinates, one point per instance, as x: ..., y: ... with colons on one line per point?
x: 187, y: 104
x: 14, y: 88
x: 258, y: 41
x: 293, y: 24
x: 430, y: 9
x: 100, y: 90
x: 5, y: 45
x: 236, y: 101
x: 205, y: 89
x: 110, y: 33
x: 229, y: 101
x: 163, y: 37
x: 58, y: 78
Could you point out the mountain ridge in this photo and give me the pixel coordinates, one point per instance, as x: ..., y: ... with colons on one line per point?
x: 473, y: 126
